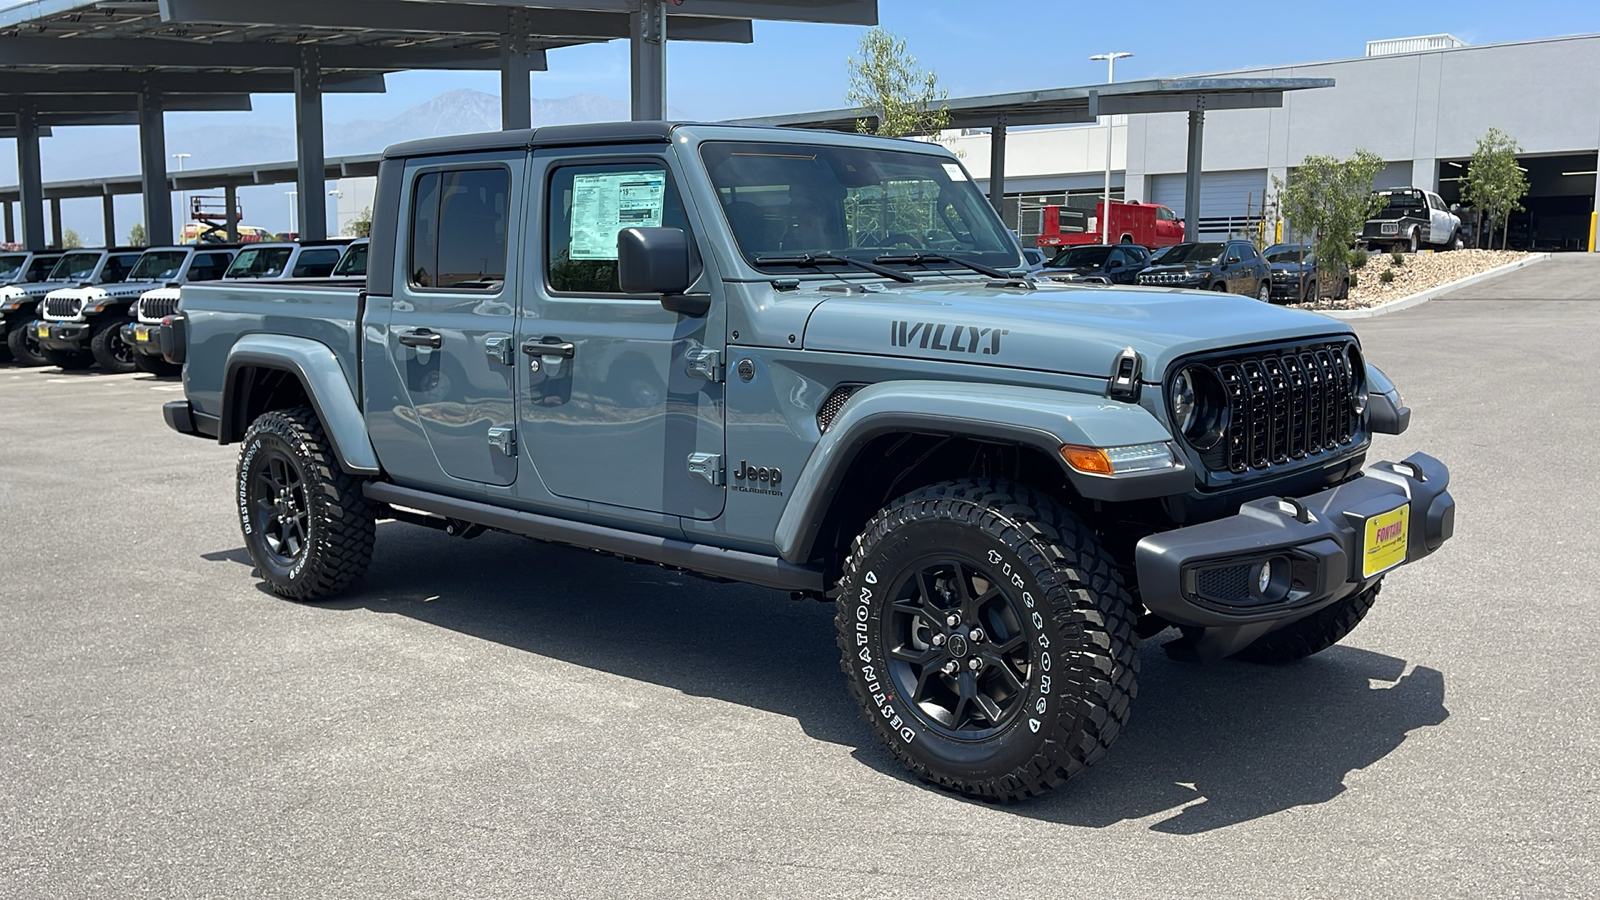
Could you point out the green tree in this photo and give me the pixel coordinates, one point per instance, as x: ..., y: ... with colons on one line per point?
x: 136, y: 235
x: 1495, y: 182
x: 886, y: 83
x: 361, y: 224
x: 1328, y: 199
x: 71, y: 240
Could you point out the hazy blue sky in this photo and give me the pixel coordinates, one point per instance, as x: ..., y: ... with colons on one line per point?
x: 975, y: 47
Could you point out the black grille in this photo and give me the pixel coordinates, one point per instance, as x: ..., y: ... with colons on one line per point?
x: 1285, y: 405
x: 152, y: 309
x: 62, y: 307
x: 1229, y: 584
x: 834, y: 403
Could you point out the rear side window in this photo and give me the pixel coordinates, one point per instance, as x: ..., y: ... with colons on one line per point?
x: 354, y: 261
x: 208, y: 266
x: 459, y: 225
x: 117, y: 268
x: 315, y: 263
x: 589, y: 207
x: 259, y: 262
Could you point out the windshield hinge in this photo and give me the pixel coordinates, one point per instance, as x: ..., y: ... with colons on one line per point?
x: 1124, y: 382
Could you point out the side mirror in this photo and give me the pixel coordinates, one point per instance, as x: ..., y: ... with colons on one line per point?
x: 656, y: 261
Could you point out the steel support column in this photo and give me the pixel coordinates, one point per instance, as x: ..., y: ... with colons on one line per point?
x: 153, y: 169
x: 108, y: 214
x: 648, y: 58
x: 11, y: 225
x: 230, y: 200
x: 30, y: 182
x: 1191, y: 180
x: 56, y: 239
x: 997, y: 166
x: 312, y: 199
x: 516, y: 65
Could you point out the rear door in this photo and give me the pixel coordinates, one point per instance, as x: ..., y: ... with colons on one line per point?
x: 451, y: 320
x: 623, y: 397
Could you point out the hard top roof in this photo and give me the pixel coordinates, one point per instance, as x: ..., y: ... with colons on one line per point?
x: 646, y: 132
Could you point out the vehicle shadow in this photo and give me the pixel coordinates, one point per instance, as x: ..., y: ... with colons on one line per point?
x: 1217, y: 744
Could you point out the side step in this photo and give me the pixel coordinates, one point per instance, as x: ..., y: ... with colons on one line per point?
x: 734, y: 565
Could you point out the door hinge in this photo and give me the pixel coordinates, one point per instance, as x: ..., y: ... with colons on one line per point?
x: 707, y: 466
x: 704, y: 362
x: 499, y: 349
x: 504, y: 440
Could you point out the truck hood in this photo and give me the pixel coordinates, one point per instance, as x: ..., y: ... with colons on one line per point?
x: 1071, y: 329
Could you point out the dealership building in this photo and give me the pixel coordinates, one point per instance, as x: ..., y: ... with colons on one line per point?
x: 1420, y: 103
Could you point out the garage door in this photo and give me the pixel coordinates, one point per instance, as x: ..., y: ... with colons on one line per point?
x: 1394, y: 175
x: 1230, y: 202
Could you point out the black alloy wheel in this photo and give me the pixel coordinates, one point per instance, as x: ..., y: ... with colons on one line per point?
x: 279, y: 509
x: 24, y: 346
x: 958, y: 652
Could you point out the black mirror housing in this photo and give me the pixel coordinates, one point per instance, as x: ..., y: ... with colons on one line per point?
x: 653, y: 260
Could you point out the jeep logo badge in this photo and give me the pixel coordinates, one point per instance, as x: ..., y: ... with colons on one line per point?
x: 757, y: 479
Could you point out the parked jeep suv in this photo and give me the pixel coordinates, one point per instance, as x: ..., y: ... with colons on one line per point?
x: 1098, y: 264
x: 141, y: 336
x: 23, y: 288
x: 1295, y: 278
x: 77, y: 269
x: 1231, y: 266
x: 711, y: 347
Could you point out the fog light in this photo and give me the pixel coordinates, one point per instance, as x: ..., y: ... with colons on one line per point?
x: 1264, y: 577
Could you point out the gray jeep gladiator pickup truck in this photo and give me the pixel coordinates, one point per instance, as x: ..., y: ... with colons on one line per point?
x: 806, y: 361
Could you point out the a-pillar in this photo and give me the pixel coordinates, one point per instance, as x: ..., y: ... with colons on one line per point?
x: 153, y: 169
x: 516, y: 64
x: 30, y: 182
x: 312, y: 198
x: 997, y: 166
x: 230, y: 200
x: 56, y: 239
x: 648, y: 60
x: 1191, y: 180
x: 108, y: 213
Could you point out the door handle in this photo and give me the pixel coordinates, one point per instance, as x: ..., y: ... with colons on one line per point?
x: 421, y: 337
x: 549, y: 346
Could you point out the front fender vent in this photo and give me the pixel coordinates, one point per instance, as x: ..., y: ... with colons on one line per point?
x: 834, y: 404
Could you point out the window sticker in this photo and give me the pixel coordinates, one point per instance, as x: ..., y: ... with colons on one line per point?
x: 954, y: 171
x: 603, y: 204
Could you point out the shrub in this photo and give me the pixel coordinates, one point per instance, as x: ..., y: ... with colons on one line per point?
x: 1397, y: 258
x: 1357, y: 260
x: 1354, y: 279
x: 1387, y: 276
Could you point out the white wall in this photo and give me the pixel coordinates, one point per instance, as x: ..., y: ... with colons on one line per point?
x: 355, y: 195
x: 1046, y: 153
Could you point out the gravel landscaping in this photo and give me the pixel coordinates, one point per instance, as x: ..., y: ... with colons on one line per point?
x: 1420, y: 272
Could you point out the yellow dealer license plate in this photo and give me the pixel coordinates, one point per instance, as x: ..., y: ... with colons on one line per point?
x: 1386, y: 541
x: 42, y: 330
x: 140, y: 334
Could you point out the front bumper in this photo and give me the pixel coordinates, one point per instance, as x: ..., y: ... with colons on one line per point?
x: 144, y: 339
x: 1210, y: 575
x: 61, y: 335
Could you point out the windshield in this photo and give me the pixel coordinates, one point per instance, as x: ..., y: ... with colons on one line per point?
x: 790, y: 200
x: 10, y: 263
x: 1289, y: 253
x: 40, y: 268
x: 1079, y: 257
x: 75, y: 267
x: 259, y: 262
x: 354, y: 261
x: 158, y: 265
x: 1199, y: 254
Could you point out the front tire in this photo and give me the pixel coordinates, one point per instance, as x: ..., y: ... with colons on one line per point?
x: 1315, y: 633
x: 111, y: 351
x: 987, y: 638
x: 307, y: 525
x: 1264, y: 291
x: 24, y: 346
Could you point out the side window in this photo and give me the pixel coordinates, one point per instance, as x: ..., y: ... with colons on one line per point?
x: 459, y: 225
x: 117, y: 268
x: 1247, y: 252
x: 1233, y: 253
x: 588, y: 206
x: 208, y: 266
x: 1118, y: 257
x: 1165, y: 214
x: 315, y: 262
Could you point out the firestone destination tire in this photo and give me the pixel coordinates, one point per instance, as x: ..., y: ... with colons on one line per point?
x: 1315, y: 633
x: 306, y: 524
x: 987, y: 638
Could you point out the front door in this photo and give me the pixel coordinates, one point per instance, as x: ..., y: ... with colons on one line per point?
x: 452, y: 318
x: 623, y: 397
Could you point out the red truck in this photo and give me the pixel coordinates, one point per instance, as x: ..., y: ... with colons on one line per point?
x: 1149, y: 224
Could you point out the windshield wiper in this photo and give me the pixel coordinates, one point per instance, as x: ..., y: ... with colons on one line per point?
x: 921, y: 258
x: 817, y: 260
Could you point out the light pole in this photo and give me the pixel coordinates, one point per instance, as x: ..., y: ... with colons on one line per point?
x: 1105, y: 207
x: 183, y: 200
x: 292, y: 197
x: 337, y: 195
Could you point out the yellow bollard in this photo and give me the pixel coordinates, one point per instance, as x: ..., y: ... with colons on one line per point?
x: 1278, y: 232
x: 1594, y: 224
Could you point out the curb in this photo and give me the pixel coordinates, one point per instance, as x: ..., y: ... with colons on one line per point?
x: 1422, y: 297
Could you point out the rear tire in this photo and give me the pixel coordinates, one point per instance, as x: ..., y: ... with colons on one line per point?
x: 1033, y: 680
x: 24, y: 347
x: 111, y: 351
x: 1414, y: 242
x: 307, y: 525
x: 155, y: 365
x: 1311, y: 292
x: 1315, y: 633
x: 1264, y: 291
x: 67, y: 360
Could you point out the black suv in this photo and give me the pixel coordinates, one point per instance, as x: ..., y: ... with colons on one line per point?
x: 1294, y: 275
x: 1231, y: 266
x: 1098, y: 263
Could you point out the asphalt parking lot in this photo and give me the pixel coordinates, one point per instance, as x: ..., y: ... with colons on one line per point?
x: 500, y: 718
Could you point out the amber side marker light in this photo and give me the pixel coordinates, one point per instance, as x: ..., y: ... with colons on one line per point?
x: 1113, y: 461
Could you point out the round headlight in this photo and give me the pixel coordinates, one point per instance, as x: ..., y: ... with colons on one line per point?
x: 1199, y: 406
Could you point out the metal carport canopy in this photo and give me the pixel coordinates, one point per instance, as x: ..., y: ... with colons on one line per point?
x: 1070, y: 105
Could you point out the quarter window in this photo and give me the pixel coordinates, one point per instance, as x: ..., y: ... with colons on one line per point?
x: 208, y: 266
x: 458, y: 229
x: 589, y: 207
